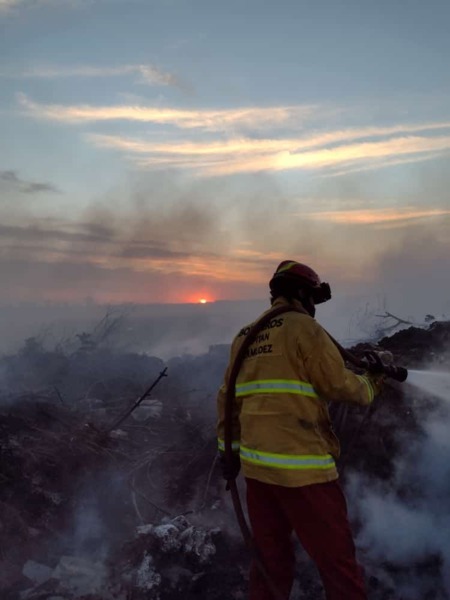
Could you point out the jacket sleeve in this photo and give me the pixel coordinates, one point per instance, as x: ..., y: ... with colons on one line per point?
x: 327, y: 372
x: 221, y: 402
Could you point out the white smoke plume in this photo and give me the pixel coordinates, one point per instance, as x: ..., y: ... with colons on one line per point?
x: 404, y: 533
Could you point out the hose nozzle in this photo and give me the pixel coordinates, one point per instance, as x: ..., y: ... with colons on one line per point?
x: 398, y: 373
x: 382, y: 363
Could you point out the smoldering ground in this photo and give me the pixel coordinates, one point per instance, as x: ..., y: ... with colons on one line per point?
x: 404, y: 540
x: 163, y: 464
x: 91, y: 489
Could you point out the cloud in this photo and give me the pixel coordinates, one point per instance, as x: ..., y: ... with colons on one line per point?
x: 219, y: 120
x: 363, y: 155
x: 61, y: 232
x: 377, y: 215
x: 12, y: 180
x: 146, y: 74
x: 243, y: 155
x: 212, y: 120
x: 251, y: 146
x: 184, y: 238
x: 382, y: 163
x: 82, y: 242
x: 68, y: 281
x: 333, y: 151
x: 354, y: 153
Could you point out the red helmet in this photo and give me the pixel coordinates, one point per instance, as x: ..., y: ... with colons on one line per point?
x: 305, y: 277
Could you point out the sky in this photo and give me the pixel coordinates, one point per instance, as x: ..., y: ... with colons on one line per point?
x: 174, y: 150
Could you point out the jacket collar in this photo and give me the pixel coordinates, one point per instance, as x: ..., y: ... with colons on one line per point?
x: 281, y: 301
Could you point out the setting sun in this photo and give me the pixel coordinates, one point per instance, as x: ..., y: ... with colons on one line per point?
x: 203, y: 301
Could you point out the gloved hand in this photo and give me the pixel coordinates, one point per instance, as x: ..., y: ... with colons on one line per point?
x: 380, y: 364
x: 230, y: 470
x: 374, y: 362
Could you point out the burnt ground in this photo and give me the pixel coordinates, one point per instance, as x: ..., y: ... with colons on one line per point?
x: 139, y: 511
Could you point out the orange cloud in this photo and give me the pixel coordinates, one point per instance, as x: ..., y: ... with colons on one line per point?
x: 376, y: 216
x: 219, y: 119
x: 352, y: 153
x: 346, y: 155
x: 241, y: 145
x: 206, y: 119
x: 337, y: 152
x: 241, y: 155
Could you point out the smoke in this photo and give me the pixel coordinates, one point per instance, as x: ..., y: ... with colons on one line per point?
x: 405, y: 522
x: 162, y: 237
x: 90, y: 537
x: 415, y: 269
x: 436, y: 383
x: 167, y: 238
x: 100, y: 521
x: 11, y: 178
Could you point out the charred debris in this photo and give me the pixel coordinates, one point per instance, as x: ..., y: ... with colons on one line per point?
x: 139, y: 510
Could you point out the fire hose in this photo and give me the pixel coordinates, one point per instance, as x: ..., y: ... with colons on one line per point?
x: 372, y: 363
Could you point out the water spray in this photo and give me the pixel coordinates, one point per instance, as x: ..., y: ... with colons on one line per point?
x: 436, y: 383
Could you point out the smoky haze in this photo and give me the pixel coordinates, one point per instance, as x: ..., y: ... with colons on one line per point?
x: 405, y: 522
x: 162, y: 238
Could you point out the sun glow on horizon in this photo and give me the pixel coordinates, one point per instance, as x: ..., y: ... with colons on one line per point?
x: 196, y: 298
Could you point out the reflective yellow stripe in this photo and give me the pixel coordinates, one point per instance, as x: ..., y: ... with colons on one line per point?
x: 369, y: 385
x: 287, y: 461
x: 234, y: 445
x: 287, y: 266
x: 276, y: 386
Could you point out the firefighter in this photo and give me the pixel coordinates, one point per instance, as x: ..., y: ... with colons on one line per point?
x: 283, y: 437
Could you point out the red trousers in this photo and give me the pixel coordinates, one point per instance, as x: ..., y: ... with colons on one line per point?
x: 318, y: 515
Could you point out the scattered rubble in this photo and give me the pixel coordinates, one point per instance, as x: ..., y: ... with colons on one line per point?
x: 96, y: 514
x: 140, y: 512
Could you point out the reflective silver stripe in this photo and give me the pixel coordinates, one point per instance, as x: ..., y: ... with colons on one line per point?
x: 276, y: 386
x: 287, y: 461
x: 234, y: 445
x: 369, y: 385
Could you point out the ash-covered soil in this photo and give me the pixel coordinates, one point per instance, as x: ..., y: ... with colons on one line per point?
x: 139, y: 511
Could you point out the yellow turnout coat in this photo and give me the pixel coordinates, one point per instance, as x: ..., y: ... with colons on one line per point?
x: 281, y: 425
